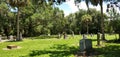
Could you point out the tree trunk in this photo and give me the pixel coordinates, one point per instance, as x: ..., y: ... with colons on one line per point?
x: 119, y: 36
x: 102, y: 20
x: 18, y: 33
x: 6, y: 32
x: 73, y: 33
x: 64, y: 35
x: 87, y: 28
x: 87, y: 4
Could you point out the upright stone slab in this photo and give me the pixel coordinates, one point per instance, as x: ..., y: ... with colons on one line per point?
x: 0, y: 38
x: 11, y: 37
x: 21, y: 36
x: 85, y: 44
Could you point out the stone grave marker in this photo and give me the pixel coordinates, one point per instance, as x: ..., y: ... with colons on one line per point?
x: 21, y: 36
x: 85, y: 44
x: 0, y: 38
x: 11, y: 37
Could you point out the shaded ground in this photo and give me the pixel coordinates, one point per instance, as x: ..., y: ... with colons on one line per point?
x: 66, y: 51
x: 57, y: 50
x: 114, y: 41
x: 110, y: 51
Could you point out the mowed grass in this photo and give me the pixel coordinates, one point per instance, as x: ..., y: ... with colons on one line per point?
x: 53, y: 47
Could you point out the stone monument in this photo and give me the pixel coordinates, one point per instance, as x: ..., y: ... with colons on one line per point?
x: 59, y: 35
x: 21, y: 36
x: 11, y: 37
x: 86, y: 49
x: 85, y: 44
x: 0, y: 38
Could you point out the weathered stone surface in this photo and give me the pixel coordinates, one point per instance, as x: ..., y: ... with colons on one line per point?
x: 85, y: 44
x: 11, y: 37
x: 0, y: 38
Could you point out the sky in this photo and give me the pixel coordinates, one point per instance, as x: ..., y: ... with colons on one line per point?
x: 69, y: 7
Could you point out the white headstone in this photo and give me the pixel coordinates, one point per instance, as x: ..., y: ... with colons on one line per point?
x: 84, y: 36
x: 11, y: 37
x: 85, y: 44
x: 59, y: 35
x: 48, y: 34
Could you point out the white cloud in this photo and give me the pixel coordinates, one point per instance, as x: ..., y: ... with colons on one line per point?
x: 72, y: 6
x: 82, y: 5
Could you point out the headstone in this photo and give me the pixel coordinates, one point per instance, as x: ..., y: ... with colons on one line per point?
x: 59, y: 36
x: 11, y: 37
x: 64, y: 35
x: 91, y: 35
x: 84, y: 36
x: 21, y: 36
x: 79, y: 33
x: 14, y: 37
x: 49, y: 34
x: 85, y: 44
x: 0, y: 38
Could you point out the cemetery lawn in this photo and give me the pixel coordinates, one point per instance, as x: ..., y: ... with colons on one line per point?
x: 53, y: 47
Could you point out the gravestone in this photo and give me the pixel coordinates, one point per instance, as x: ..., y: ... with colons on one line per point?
x: 49, y: 34
x: 85, y: 44
x: 0, y: 38
x: 21, y: 36
x: 91, y: 35
x: 59, y: 36
x: 79, y: 33
x: 11, y: 37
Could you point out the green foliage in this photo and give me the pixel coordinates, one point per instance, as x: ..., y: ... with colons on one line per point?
x: 17, y: 3
x: 32, y: 46
x: 86, y: 18
x: 42, y: 18
x: 117, y: 25
x: 6, y: 20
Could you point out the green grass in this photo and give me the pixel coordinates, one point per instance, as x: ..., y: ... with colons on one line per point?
x: 53, y: 47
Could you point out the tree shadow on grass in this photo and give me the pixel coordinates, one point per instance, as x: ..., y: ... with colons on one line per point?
x: 14, y: 41
x: 45, y: 37
x: 110, y: 51
x: 94, y: 39
x: 58, y: 50
x: 114, y: 41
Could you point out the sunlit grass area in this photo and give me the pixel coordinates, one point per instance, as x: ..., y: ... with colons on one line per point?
x: 54, y: 47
